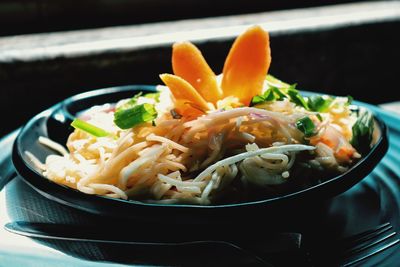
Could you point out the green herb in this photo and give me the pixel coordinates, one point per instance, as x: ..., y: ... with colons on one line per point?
x: 258, y: 99
x: 278, y: 93
x: 129, y: 117
x: 363, y: 130
x: 349, y: 100
x: 306, y: 126
x: 279, y: 90
x: 319, y: 103
x: 89, y: 128
x: 319, y: 117
x: 296, y: 97
x: 269, y: 95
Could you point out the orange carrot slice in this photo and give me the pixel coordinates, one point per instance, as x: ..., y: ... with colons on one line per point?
x: 189, y: 64
x: 188, y: 110
x: 246, y: 65
x: 184, y: 91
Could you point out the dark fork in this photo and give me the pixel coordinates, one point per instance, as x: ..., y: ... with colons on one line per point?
x: 357, y: 248
x: 344, y: 252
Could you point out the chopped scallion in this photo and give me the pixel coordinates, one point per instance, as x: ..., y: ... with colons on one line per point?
x: 319, y: 103
x: 296, y: 97
x: 129, y: 117
x: 89, y: 128
x: 258, y: 99
x: 278, y: 93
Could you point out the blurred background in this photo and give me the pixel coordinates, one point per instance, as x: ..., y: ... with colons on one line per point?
x: 52, y: 49
x: 29, y: 16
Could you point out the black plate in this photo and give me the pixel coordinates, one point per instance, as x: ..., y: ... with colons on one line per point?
x: 55, y: 124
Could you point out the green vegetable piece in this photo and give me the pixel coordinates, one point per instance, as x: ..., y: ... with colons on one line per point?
x: 306, y: 126
x: 131, y: 102
x: 89, y: 128
x: 296, y: 97
x: 319, y: 103
x: 363, y: 130
x: 278, y: 93
x: 269, y: 95
x: 155, y: 96
x: 127, y: 118
x: 258, y: 99
x: 349, y: 100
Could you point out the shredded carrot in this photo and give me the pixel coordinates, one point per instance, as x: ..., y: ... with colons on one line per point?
x: 344, y: 154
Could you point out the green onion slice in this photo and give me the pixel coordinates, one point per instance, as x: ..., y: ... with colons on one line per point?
x: 130, y: 117
x: 89, y: 128
x: 319, y: 103
x: 296, y: 97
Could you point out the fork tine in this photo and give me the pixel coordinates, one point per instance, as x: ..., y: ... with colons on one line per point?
x: 372, y: 253
x: 364, y: 236
x: 364, y: 246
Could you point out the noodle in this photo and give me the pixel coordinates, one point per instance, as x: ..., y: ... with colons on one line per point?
x: 185, y: 144
x: 53, y: 145
x: 240, y: 157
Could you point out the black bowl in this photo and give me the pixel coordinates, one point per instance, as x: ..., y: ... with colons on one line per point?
x: 55, y: 124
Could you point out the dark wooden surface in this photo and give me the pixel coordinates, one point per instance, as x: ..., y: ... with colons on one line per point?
x: 344, y: 49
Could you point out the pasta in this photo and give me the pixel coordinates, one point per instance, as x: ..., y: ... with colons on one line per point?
x: 183, y: 144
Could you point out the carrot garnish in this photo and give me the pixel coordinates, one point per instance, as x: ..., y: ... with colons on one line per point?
x: 189, y: 64
x: 186, y: 96
x: 247, y: 65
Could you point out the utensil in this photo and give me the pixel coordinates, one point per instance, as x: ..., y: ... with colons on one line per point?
x: 55, y: 124
x: 357, y: 248
x: 344, y: 252
x: 272, y: 245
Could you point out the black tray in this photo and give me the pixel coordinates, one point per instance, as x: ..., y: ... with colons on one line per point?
x: 371, y: 202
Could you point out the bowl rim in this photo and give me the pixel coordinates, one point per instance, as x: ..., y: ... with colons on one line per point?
x: 24, y: 169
